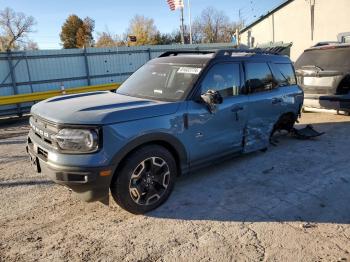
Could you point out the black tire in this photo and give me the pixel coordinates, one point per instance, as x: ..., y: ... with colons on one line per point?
x: 142, y: 174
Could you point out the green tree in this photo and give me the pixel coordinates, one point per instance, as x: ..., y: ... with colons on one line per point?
x: 77, y: 33
x: 164, y: 39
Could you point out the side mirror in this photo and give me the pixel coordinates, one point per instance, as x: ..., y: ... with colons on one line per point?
x: 212, y: 98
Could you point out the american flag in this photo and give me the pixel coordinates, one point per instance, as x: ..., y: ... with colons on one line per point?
x: 175, y: 4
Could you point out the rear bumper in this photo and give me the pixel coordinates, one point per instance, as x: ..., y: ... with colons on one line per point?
x: 335, y: 102
x: 86, y: 182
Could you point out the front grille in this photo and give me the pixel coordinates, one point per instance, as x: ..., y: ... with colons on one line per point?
x: 44, y: 130
x: 69, y: 177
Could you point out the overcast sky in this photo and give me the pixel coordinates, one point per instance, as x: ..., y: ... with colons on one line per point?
x: 114, y: 15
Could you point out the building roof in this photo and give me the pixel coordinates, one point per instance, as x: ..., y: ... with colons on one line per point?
x: 287, y: 2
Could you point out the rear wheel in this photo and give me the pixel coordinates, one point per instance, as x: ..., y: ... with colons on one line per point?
x: 286, y: 122
x: 145, y: 179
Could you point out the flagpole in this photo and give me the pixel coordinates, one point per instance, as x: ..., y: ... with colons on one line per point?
x: 189, y: 19
x: 182, y: 26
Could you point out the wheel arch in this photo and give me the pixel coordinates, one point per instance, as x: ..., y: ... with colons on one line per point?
x: 285, y: 120
x: 171, y: 143
x: 344, y: 82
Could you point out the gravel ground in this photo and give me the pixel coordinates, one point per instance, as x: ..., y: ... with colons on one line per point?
x: 290, y: 203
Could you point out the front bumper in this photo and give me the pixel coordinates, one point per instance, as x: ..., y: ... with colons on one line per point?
x: 89, y: 183
x: 335, y: 102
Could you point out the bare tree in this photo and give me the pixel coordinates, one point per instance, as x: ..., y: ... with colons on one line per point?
x: 144, y: 30
x: 213, y: 26
x: 30, y: 45
x: 107, y: 39
x: 14, y: 28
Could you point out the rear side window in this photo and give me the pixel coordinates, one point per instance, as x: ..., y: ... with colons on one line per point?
x: 259, y: 77
x: 285, y: 74
x: 224, y: 78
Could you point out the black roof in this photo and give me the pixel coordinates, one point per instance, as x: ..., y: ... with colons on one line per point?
x: 197, y: 59
x: 202, y: 57
x: 329, y: 46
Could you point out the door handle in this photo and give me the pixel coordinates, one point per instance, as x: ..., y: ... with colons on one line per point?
x: 276, y: 100
x: 235, y: 109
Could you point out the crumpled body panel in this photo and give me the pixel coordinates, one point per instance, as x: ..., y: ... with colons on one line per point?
x: 257, y: 135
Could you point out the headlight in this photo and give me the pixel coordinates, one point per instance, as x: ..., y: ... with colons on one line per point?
x: 77, y: 140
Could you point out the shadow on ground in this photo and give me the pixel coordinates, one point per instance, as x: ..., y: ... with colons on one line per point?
x: 294, y: 181
x: 10, y: 159
x: 25, y: 183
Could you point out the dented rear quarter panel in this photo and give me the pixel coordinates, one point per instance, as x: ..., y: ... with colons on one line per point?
x: 265, y: 109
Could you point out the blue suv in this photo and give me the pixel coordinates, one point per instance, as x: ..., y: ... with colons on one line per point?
x: 179, y: 112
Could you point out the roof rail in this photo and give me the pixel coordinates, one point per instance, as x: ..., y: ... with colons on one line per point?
x: 227, y: 52
x: 179, y: 52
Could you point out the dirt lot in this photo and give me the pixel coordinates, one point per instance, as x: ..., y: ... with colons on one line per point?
x: 288, y: 204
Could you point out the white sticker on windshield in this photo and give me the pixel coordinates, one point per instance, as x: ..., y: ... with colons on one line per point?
x: 189, y: 70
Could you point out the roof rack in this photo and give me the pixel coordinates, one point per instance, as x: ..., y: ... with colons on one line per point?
x: 226, y: 52
x: 229, y: 52
x: 179, y: 52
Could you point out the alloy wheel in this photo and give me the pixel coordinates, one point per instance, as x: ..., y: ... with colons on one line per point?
x: 149, y: 181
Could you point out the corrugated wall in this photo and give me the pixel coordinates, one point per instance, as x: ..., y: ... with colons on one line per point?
x: 43, y: 70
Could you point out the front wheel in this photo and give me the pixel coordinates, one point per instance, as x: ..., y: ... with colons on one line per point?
x: 145, y: 180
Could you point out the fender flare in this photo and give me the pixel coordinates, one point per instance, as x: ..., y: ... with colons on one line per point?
x: 160, y: 138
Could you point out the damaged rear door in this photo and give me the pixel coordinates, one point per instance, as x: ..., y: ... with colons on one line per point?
x: 264, y: 105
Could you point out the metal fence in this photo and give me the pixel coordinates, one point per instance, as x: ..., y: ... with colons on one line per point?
x: 46, y: 70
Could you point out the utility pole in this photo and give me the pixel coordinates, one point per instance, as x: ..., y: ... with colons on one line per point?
x: 312, y: 14
x: 240, y: 17
x: 240, y: 26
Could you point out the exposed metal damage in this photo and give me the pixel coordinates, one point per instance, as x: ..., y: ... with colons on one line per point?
x: 257, y: 136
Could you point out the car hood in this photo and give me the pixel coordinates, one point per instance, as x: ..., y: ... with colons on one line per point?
x: 100, y: 108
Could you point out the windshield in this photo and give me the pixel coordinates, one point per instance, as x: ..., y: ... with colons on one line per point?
x: 325, y: 59
x: 161, y: 81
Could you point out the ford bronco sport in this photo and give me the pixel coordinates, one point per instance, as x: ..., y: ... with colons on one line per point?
x: 180, y: 111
